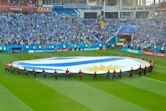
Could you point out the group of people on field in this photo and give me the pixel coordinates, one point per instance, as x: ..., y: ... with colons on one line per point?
x: 115, y: 74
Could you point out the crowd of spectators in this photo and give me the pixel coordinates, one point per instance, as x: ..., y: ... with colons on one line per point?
x: 29, y: 3
x: 33, y: 28
x: 27, y: 29
x: 150, y: 34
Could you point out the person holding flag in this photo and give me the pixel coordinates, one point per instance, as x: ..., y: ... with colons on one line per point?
x: 152, y: 65
x: 114, y: 74
x: 34, y: 73
x: 131, y: 73
x: 120, y: 74
x: 55, y: 74
x: 95, y: 76
x: 108, y: 74
x: 44, y: 73
x: 80, y: 73
x: 11, y: 68
x: 140, y: 71
x: 25, y: 72
x: 18, y: 70
x: 67, y: 74
x: 145, y: 71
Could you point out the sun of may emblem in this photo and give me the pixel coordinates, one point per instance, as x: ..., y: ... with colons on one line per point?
x: 102, y: 68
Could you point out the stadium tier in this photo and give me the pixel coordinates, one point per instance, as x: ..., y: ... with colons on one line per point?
x: 50, y: 30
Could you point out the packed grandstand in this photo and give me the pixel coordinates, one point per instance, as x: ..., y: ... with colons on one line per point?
x: 45, y: 29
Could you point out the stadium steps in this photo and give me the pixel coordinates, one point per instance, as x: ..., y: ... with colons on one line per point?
x: 87, y: 41
x: 77, y: 11
x: 94, y: 36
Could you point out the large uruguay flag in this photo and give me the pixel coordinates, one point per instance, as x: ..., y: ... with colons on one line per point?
x: 88, y: 65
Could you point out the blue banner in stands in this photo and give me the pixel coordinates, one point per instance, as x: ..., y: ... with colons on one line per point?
x: 128, y: 30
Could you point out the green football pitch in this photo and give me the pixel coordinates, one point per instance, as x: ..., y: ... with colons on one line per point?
x: 20, y: 93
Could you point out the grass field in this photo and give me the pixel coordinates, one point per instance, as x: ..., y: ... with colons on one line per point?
x: 20, y: 93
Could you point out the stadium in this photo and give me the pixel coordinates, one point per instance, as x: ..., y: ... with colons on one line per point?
x: 82, y: 55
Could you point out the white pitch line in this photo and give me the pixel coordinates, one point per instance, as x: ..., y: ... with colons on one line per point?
x: 155, y: 80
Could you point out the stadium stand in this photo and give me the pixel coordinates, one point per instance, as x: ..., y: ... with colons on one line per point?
x: 34, y: 28
x: 64, y: 26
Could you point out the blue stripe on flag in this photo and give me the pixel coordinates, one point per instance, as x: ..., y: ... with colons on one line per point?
x: 67, y: 64
x: 37, y: 68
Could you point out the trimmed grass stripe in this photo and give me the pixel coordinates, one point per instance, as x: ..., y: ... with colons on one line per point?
x: 147, y: 84
x: 10, y: 102
x: 162, y: 69
x: 157, y: 76
x: 142, y: 98
x: 163, y: 82
x: 38, y: 96
x: 93, y: 98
